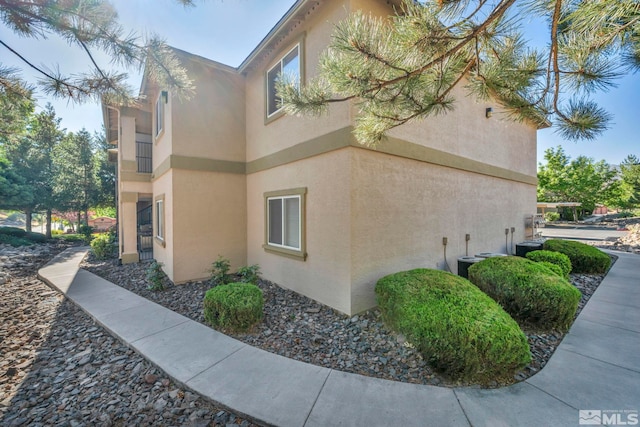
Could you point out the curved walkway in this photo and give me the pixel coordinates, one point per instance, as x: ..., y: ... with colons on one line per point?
x: 597, y: 366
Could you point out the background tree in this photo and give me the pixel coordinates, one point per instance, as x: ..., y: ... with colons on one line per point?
x: 105, y: 171
x: 14, y: 191
x: 16, y: 105
x: 31, y: 157
x: 581, y: 180
x: 405, y: 68
x: 91, y: 26
x: 75, y: 181
x: 630, y: 175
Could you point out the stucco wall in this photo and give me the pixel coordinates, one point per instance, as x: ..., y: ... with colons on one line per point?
x: 325, y: 275
x: 401, y: 210
x: 286, y: 131
x: 209, y: 211
x: 211, y: 124
x: 163, y: 142
x: 164, y: 253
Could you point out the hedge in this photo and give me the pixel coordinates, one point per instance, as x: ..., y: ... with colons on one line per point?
x: 560, y: 259
x: 584, y: 258
x: 235, y: 306
x: 458, y: 329
x: 530, y: 292
x: 18, y: 237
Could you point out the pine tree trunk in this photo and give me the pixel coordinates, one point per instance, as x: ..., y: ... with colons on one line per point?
x: 48, y: 233
x: 29, y: 216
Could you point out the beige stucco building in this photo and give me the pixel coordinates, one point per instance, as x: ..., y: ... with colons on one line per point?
x: 226, y: 173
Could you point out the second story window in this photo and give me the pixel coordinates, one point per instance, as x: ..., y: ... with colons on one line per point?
x: 289, y: 65
x: 162, y: 97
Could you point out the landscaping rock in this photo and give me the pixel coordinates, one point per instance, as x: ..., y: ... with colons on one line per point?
x: 297, y: 327
x: 60, y: 368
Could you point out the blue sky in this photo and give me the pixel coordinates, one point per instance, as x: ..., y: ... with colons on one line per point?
x: 227, y: 31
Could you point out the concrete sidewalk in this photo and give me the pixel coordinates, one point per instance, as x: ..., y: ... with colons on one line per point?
x: 597, y: 366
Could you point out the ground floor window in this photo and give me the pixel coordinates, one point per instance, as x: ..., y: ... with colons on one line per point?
x: 285, y: 222
x: 159, y: 218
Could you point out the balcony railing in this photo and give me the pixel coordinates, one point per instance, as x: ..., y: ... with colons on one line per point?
x: 143, y: 157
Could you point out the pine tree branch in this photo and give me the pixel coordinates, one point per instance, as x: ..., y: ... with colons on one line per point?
x: 58, y: 81
x: 498, y: 12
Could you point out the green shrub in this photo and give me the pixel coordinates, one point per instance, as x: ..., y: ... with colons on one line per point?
x: 104, y: 246
x: 584, y: 258
x: 236, y: 306
x: 156, y: 276
x: 56, y: 233
x: 530, y: 292
x: 249, y: 274
x: 457, y: 328
x: 14, y: 241
x: 70, y: 237
x: 561, y: 260
x: 87, y: 233
x: 551, y: 216
x: 12, y: 231
x: 220, y: 271
x: 35, y: 237
x: 555, y: 268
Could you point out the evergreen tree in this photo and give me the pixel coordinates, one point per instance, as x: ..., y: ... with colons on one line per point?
x: 31, y: 157
x: 630, y: 175
x: 75, y: 179
x: 14, y: 191
x: 106, y: 173
x: 405, y: 68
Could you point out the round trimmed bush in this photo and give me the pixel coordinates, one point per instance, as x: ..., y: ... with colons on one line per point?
x: 35, y: 237
x: 560, y: 259
x: 236, y: 306
x: 457, y: 328
x: 14, y: 240
x: 530, y: 292
x: 584, y: 258
x: 13, y: 231
x: 555, y: 268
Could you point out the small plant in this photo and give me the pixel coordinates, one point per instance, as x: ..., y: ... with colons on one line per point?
x: 249, y: 274
x: 551, y: 216
x: 103, y: 246
x: 156, y: 276
x: 220, y: 271
x: 561, y: 260
x: 236, y: 306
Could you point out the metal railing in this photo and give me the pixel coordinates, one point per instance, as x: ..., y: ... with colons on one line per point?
x: 144, y: 156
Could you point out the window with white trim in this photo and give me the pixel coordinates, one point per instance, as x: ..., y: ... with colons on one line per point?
x: 285, y: 222
x: 160, y: 113
x: 288, y: 66
x: 160, y: 219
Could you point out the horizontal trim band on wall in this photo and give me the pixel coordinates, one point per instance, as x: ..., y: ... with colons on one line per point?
x: 199, y: 164
x: 336, y: 140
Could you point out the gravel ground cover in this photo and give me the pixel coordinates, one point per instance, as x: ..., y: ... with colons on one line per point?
x: 58, y: 367
x: 297, y: 327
